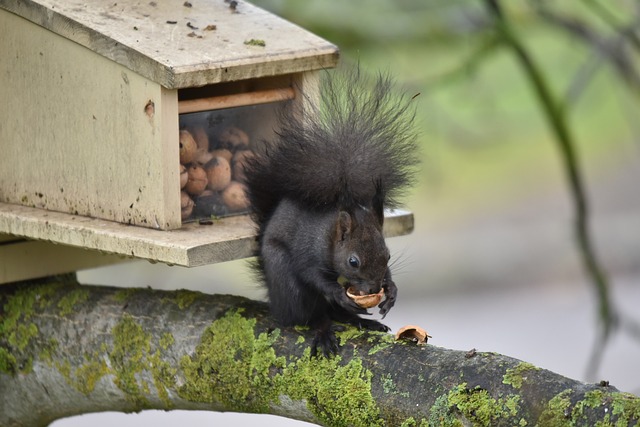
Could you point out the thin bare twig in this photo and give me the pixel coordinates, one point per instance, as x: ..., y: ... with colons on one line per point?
x: 612, y: 49
x: 555, y: 116
x: 603, y: 13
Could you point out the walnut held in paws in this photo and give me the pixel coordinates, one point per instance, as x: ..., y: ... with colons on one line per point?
x: 365, y: 301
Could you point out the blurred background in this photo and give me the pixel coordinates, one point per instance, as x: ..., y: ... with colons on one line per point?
x: 493, y: 262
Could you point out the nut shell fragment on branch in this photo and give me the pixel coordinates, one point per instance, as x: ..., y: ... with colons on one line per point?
x: 413, y: 333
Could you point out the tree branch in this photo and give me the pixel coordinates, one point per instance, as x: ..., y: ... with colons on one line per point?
x: 68, y: 349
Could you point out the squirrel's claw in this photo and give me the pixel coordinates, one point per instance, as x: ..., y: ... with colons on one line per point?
x: 326, y: 341
x: 391, y: 292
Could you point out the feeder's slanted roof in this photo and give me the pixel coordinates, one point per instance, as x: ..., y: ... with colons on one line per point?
x: 179, y: 43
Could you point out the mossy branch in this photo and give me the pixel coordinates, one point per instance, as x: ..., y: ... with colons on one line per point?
x: 68, y: 349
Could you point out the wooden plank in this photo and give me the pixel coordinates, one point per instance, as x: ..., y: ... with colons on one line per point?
x: 177, y: 46
x: 236, y: 100
x: 23, y: 260
x: 192, y: 245
x: 77, y: 136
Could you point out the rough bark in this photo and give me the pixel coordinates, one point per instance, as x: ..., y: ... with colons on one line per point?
x: 68, y: 349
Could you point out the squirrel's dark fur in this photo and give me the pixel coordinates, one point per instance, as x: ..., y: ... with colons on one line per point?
x: 318, y: 192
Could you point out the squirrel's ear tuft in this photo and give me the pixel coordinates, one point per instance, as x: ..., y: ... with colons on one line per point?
x: 344, y: 225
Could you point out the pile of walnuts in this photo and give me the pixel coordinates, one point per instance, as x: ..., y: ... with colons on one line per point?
x: 212, y: 176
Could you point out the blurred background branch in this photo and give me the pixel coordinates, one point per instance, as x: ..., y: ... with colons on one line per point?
x: 556, y: 118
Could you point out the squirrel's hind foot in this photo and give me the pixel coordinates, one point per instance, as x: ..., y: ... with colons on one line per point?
x: 326, y: 341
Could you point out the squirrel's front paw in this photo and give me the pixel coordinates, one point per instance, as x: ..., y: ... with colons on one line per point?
x: 340, y: 296
x: 390, y: 292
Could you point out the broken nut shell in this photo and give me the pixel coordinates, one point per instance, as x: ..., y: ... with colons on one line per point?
x: 413, y: 333
x: 365, y: 301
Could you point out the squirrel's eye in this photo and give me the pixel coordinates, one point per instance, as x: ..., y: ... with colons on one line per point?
x: 354, y: 261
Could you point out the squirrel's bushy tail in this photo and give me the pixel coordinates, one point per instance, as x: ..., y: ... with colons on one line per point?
x: 358, y: 142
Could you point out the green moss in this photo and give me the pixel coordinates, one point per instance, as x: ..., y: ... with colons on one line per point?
x: 16, y: 329
x: 85, y: 377
x: 231, y: 365
x: 131, y: 345
x: 255, y: 42
x: 516, y: 376
x: 183, y: 298
x: 300, y: 340
x: 440, y: 413
x: 164, y: 376
x: 625, y: 407
x: 166, y: 341
x: 321, y: 382
x: 8, y: 362
x: 48, y: 351
x: 615, y: 408
x: 557, y: 411
x: 384, y: 341
x: 409, y: 422
x: 22, y: 335
x: 349, y: 333
x: 477, y: 406
x: 68, y: 302
x: 390, y: 387
x: 125, y: 294
x: 65, y: 370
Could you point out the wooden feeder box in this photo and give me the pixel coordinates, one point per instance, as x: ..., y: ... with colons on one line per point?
x: 95, y: 94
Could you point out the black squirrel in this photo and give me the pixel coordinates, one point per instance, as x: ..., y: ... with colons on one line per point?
x: 318, y: 192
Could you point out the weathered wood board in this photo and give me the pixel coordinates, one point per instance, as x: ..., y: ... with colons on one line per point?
x: 192, y: 245
x: 178, y: 46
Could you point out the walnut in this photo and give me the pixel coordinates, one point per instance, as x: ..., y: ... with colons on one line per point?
x: 234, y: 139
x: 218, y: 173
x: 365, y: 300
x: 239, y: 161
x: 188, y: 147
x: 235, y: 197
x: 197, y: 181
x: 186, y: 205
